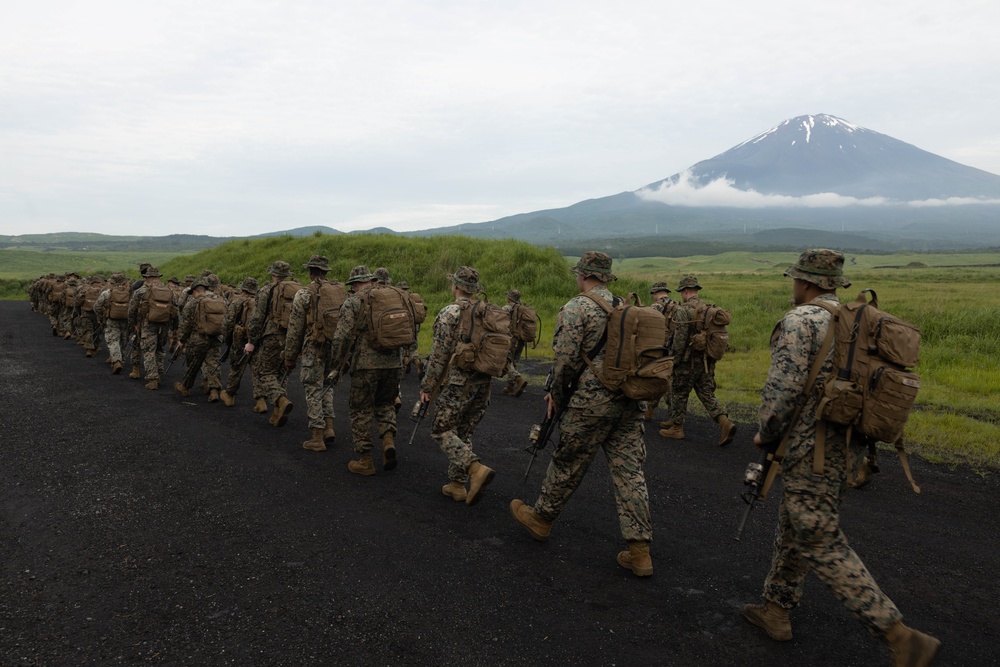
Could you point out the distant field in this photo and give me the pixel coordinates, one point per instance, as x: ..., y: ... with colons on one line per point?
x: 29, y: 264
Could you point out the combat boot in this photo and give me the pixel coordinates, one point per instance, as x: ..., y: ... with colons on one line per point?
x: 260, y: 406
x: 363, y: 466
x: 281, y: 409
x: 90, y: 353
x: 538, y: 527
x: 650, y: 409
x: 455, y: 490
x: 315, y: 443
x: 213, y: 396
x: 728, y: 431
x: 862, y: 477
x: 507, y: 390
x: 519, y: 387
x: 667, y: 424
x: 637, y: 559
x: 116, y: 368
x: 134, y: 374
x: 771, y: 618
x: 153, y: 384
x: 328, y: 435
x: 675, y: 432
x: 388, y: 451
x: 479, y: 477
x: 181, y: 389
x: 55, y: 332
x: 910, y: 648
x: 227, y: 399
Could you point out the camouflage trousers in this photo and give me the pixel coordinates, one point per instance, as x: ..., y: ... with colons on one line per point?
x: 153, y: 341
x: 372, y: 398
x: 459, y: 409
x: 689, y: 375
x: 116, y: 336
x: 135, y: 354
x: 201, y: 353
x: 88, y: 327
x: 317, y: 363
x: 581, y: 435
x: 516, y: 348
x: 270, y: 364
x: 54, y: 316
x: 236, y: 369
x: 809, y: 538
x: 65, y: 321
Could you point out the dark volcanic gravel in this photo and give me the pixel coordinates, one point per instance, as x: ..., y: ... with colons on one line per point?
x: 138, y: 527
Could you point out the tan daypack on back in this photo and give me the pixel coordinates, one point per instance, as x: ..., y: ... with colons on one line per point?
x: 419, y: 308
x: 160, y: 304
x: 523, y: 323
x: 324, y: 309
x: 90, y: 297
x: 118, y: 302
x: 483, y: 338
x: 209, y: 314
x: 636, y: 363
x: 711, y: 335
x: 281, y: 301
x: 391, y: 322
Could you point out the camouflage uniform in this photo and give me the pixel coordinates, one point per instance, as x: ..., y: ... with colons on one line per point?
x: 115, y: 331
x: 198, y: 346
x: 375, y: 374
x: 53, y: 294
x: 152, y: 335
x: 317, y: 358
x: 270, y: 337
x: 809, y: 537
x: 411, y: 355
x: 67, y: 312
x: 663, y: 304
x: 514, y: 383
x: 594, y: 419
x: 693, y: 369
x: 234, y: 330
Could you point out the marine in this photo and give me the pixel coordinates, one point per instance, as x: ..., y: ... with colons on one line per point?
x: 266, y: 341
x: 234, y: 330
x: 152, y: 335
x: 515, y: 381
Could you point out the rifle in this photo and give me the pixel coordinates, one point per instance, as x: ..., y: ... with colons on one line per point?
x: 173, y: 358
x: 754, y: 477
x: 420, y: 409
x: 540, y: 434
x: 225, y: 355
x: 131, y: 342
x: 96, y: 341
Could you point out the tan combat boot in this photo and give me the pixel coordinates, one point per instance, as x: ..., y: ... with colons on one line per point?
x: 538, y: 527
x: 134, y: 375
x: 281, y: 409
x: 315, y: 443
x: 519, y: 387
x: 479, y: 477
x: 728, y: 430
x: 227, y: 399
x: 181, y: 389
x: 507, y: 390
x: 650, y: 409
x: 328, y: 435
x: 771, y: 618
x: 116, y: 368
x: 675, y: 432
x: 153, y: 384
x: 90, y: 353
x: 213, y: 396
x: 455, y: 490
x: 910, y: 648
x: 637, y: 559
x: 363, y: 466
x: 260, y: 406
x: 388, y: 451
x: 667, y: 424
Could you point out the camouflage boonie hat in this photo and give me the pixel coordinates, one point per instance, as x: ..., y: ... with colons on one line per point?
x: 360, y: 274
x: 688, y: 282
x: 318, y: 262
x: 118, y: 278
x: 143, y: 266
x: 514, y: 295
x: 659, y: 287
x: 96, y: 278
x: 382, y: 275
x: 280, y: 269
x: 201, y: 282
x: 467, y: 279
x: 152, y: 272
x: 189, y: 278
x: 821, y: 267
x: 249, y: 285
x: 174, y: 279
x: 595, y: 264
x: 72, y: 274
x: 403, y: 285
x: 212, y: 281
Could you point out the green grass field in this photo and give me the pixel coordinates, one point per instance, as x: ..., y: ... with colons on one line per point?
x: 948, y: 296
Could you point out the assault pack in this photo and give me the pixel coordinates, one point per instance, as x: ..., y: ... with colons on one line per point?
x: 391, y: 320
x: 524, y: 323
x: 483, y: 338
x: 636, y: 362
x: 90, y: 297
x: 871, y: 391
x: 281, y: 301
x: 419, y: 308
x: 159, y: 304
x: 69, y: 295
x: 711, y: 335
x: 210, y: 312
x: 324, y: 309
x: 118, y: 302
x: 56, y: 292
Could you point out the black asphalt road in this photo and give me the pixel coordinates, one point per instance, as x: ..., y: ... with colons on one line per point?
x: 141, y: 528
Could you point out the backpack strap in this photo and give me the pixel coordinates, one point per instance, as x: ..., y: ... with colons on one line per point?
x: 588, y: 357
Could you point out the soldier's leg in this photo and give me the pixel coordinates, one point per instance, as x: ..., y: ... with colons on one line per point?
x: 679, y: 397
x: 113, y: 337
x: 580, y: 437
x: 625, y: 450
x: 210, y: 367
x: 235, y: 377
x: 386, y: 391
x: 704, y: 388
x: 361, y: 405
x: 478, y: 399
x: 148, y: 343
x: 448, y: 414
x: 311, y: 375
x: 269, y: 366
x: 194, y: 358
x: 327, y: 364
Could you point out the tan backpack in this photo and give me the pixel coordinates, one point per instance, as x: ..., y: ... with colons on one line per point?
x: 90, y: 297
x: 56, y: 293
x: 523, y: 323
x: 281, y: 301
x: 483, y: 338
x: 636, y: 363
x: 118, y: 302
x: 209, y: 314
x: 324, y: 309
x: 711, y: 335
x: 391, y: 321
x: 160, y: 304
x: 419, y: 308
x: 69, y: 295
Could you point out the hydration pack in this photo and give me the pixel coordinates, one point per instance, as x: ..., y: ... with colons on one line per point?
x: 210, y: 312
x: 118, y: 302
x: 483, y: 338
x: 281, y: 301
x: 711, y: 335
x: 391, y: 321
x: 324, y: 309
x: 523, y: 323
x: 160, y: 304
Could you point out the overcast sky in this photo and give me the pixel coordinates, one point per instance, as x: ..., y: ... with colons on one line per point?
x: 236, y: 118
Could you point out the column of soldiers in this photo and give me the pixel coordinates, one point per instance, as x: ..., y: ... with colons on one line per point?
x: 284, y: 328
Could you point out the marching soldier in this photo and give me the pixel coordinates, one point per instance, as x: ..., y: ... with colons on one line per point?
x: 112, y: 309
x: 515, y: 381
x: 151, y: 312
x: 663, y: 304
x: 234, y: 330
x: 267, y: 332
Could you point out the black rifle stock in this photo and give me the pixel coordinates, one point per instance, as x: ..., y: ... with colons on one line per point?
x: 758, y: 477
x: 540, y: 434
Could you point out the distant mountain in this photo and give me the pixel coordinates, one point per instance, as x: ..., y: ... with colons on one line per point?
x: 298, y: 231
x: 817, y: 173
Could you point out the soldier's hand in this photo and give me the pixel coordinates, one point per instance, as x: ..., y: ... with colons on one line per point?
x: 757, y: 441
x: 425, y: 397
x: 551, y: 410
x: 248, y: 348
x: 289, y: 364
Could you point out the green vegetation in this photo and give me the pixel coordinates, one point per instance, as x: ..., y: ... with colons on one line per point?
x: 29, y: 264
x: 947, y: 296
